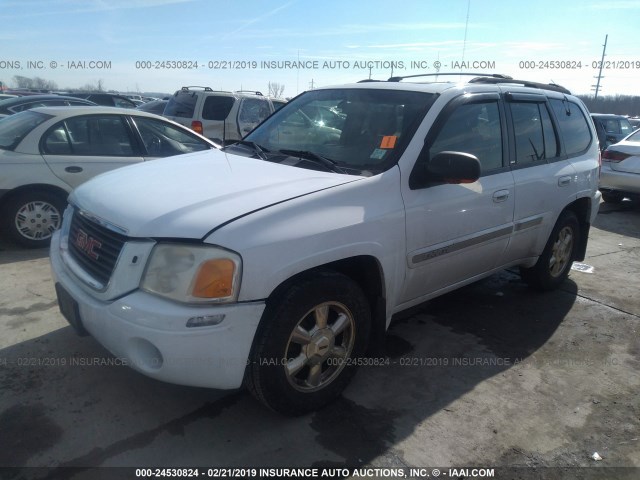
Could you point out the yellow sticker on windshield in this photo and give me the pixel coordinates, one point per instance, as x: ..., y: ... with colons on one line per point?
x: 388, y: 141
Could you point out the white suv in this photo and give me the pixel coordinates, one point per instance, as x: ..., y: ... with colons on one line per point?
x: 219, y: 116
x: 281, y: 259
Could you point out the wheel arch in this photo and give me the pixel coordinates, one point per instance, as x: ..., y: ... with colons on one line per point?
x: 582, y: 210
x: 365, y: 271
x: 32, y: 188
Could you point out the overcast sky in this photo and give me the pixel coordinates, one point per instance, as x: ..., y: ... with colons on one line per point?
x: 248, y: 43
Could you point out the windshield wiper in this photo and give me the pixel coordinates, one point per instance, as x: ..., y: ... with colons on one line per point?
x: 329, y: 164
x: 259, y: 151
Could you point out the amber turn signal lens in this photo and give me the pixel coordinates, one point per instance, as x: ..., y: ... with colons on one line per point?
x: 214, y: 279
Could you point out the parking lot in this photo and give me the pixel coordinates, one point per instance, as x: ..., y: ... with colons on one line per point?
x: 493, y: 375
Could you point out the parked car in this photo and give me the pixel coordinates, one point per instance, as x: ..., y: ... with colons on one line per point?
x: 278, y: 261
x: 611, y: 128
x: 4, y: 96
x: 154, y: 106
x: 620, y: 174
x: 219, y: 116
x: 106, y: 99
x: 635, y: 123
x: 46, y: 152
x: 19, y: 104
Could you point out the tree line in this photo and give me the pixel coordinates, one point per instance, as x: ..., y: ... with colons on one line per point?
x: 618, y: 104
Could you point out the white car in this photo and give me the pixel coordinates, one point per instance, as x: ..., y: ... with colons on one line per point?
x: 46, y: 152
x: 278, y: 261
x: 620, y: 176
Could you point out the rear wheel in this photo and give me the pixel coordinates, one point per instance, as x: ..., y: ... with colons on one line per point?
x: 552, y: 268
x: 303, y: 356
x: 32, y: 217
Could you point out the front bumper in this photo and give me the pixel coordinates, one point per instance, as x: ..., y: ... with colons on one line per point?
x: 150, y: 334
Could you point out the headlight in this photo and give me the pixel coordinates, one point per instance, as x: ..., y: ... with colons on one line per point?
x: 193, y: 273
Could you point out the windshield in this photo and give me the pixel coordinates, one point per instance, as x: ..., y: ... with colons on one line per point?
x: 359, y: 130
x: 15, y: 127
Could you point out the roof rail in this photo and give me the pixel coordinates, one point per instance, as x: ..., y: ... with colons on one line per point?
x: 254, y: 92
x: 489, y: 75
x: 525, y: 83
x: 493, y: 79
x: 187, y: 88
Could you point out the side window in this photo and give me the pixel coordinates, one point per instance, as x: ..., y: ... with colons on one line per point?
x: 56, y: 141
x: 217, y: 107
x: 573, y: 126
x: 123, y: 103
x: 99, y: 136
x: 162, y: 139
x: 253, y: 111
x: 535, y: 136
x: 473, y: 128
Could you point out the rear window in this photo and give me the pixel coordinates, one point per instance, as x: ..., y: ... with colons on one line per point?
x: 14, y: 128
x: 217, y: 107
x: 573, y: 126
x: 181, y: 105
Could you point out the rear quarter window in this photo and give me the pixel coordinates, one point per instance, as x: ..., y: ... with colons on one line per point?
x: 217, y: 107
x: 574, y: 127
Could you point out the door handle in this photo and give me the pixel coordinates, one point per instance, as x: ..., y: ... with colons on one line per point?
x: 500, y: 196
x: 73, y: 169
x: 564, y: 181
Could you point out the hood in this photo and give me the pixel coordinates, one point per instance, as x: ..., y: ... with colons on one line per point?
x: 189, y: 195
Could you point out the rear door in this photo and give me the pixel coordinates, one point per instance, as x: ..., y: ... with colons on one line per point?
x: 544, y: 178
x: 79, y: 148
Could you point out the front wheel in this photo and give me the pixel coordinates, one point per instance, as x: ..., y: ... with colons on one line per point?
x: 31, y: 218
x: 552, y: 268
x: 305, y: 351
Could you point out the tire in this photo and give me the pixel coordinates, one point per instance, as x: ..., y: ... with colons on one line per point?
x: 552, y: 268
x: 612, y: 197
x: 303, y: 355
x: 31, y: 218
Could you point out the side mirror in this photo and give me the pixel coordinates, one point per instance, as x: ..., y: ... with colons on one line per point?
x: 453, y: 167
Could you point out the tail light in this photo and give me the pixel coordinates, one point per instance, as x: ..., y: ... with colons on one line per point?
x: 599, y: 163
x: 196, y: 126
x: 614, y: 156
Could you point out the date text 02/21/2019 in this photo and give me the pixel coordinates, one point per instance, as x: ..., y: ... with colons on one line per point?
x: 578, y: 64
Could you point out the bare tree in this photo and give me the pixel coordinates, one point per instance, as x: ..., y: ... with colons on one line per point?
x: 275, y: 89
x: 36, y: 82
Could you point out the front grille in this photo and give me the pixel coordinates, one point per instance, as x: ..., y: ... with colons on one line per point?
x: 94, y: 247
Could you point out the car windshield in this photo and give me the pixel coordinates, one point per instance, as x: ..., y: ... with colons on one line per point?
x: 361, y: 131
x: 15, y: 127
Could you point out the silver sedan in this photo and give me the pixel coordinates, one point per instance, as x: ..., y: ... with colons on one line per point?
x: 620, y: 174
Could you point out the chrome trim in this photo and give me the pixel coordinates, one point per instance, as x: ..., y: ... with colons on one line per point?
x: 527, y: 224
x: 102, y: 222
x: 454, y: 247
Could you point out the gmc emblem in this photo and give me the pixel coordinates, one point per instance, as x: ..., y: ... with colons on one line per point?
x: 87, y: 244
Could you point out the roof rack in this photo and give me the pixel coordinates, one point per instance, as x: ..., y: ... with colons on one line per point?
x: 254, y: 92
x: 525, y: 83
x: 491, y: 78
x: 491, y: 75
x: 187, y: 88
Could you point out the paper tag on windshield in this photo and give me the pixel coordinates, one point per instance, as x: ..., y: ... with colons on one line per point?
x: 388, y: 141
x: 378, y: 154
